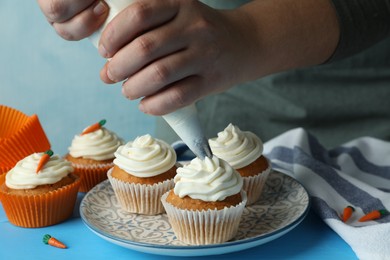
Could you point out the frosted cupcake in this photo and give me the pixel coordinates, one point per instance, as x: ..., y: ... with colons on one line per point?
x: 243, y: 151
x: 206, y: 204
x: 144, y: 170
x: 34, y: 197
x: 92, y: 153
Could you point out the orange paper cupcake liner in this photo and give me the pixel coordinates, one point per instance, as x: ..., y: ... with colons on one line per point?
x: 32, y: 211
x: 4, y: 169
x: 91, y: 175
x: 2, y: 180
x: 20, y: 136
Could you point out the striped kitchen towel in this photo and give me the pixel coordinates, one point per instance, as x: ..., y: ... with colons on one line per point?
x: 356, y: 174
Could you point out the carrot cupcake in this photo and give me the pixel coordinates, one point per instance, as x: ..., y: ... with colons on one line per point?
x: 143, y: 172
x: 206, y: 204
x: 34, y: 197
x: 243, y: 151
x: 92, y: 153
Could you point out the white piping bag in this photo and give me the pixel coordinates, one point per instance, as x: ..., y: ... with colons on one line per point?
x: 185, y: 121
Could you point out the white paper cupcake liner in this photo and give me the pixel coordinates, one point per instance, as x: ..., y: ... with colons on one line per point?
x: 253, y: 185
x: 206, y: 226
x: 140, y: 198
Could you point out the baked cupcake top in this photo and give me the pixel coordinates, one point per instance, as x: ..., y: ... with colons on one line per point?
x: 211, y: 179
x: 98, y: 145
x: 145, y: 157
x: 239, y: 148
x: 24, y: 175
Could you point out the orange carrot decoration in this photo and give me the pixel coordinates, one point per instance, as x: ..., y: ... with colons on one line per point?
x: 375, y: 214
x: 94, y: 127
x: 49, y: 240
x: 44, y: 159
x: 347, y: 213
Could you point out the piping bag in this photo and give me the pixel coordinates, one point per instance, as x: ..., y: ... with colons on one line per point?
x: 185, y: 121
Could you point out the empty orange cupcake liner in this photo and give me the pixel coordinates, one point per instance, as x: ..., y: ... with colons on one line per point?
x: 20, y: 136
x: 11, y: 121
x: 91, y: 175
x: 4, y: 169
x: 33, y: 211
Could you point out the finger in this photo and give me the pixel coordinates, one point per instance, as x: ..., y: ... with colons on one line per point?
x: 149, y: 47
x: 57, y: 11
x: 178, y: 95
x: 160, y: 74
x: 83, y: 24
x: 139, y: 17
x: 103, y: 75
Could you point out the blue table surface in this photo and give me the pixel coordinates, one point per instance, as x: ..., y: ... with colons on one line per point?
x: 311, y: 239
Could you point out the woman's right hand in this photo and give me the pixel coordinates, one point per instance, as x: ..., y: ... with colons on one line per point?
x: 74, y: 19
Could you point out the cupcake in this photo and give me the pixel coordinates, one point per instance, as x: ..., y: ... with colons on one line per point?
x: 143, y: 171
x: 34, y: 197
x: 207, y: 202
x: 92, y: 153
x: 243, y: 151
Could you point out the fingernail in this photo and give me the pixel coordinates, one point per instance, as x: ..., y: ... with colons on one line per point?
x: 124, y: 93
x: 100, y: 9
x: 102, y: 51
x: 110, y: 76
x: 141, y: 107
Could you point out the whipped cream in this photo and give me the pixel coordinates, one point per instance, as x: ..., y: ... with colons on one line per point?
x: 23, y: 175
x: 145, y: 157
x: 98, y: 145
x: 211, y: 179
x: 238, y: 148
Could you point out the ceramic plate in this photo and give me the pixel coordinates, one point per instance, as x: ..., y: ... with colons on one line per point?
x: 283, y: 205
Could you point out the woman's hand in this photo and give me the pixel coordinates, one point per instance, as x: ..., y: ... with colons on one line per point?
x: 74, y: 19
x: 173, y: 52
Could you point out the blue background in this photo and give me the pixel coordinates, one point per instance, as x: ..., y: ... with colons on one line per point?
x: 59, y: 80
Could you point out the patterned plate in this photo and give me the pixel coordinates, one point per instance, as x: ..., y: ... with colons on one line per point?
x: 283, y: 205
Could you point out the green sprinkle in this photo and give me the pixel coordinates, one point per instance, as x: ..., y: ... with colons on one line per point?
x: 46, y: 239
x: 49, y: 152
x: 102, y: 122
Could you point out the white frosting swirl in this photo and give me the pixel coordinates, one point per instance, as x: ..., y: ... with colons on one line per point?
x: 211, y: 179
x: 23, y: 175
x: 238, y: 148
x: 98, y: 145
x: 145, y: 157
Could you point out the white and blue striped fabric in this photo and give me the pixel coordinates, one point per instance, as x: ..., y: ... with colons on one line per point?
x: 356, y: 174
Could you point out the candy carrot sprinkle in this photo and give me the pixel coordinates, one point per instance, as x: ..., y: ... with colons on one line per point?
x: 375, y: 214
x: 347, y: 213
x: 94, y: 127
x: 49, y: 240
x: 44, y: 159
